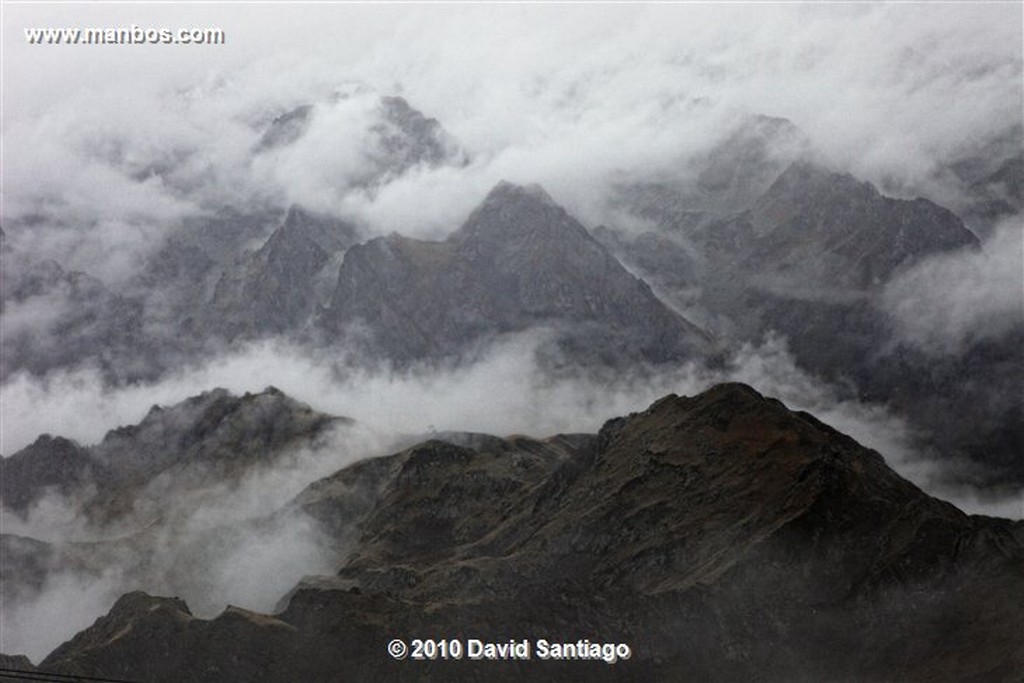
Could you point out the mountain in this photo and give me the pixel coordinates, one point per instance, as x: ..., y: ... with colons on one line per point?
x: 55, y: 317
x: 48, y: 464
x: 519, y: 261
x: 279, y: 287
x: 206, y: 439
x: 721, y: 182
x: 990, y: 176
x: 762, y: 219
x: 817, y: 228
x: 810, y: 259
x: 722, y: 536
x: 286, y: 128
x: 188, y: 501
x: 408, y: 138
x: 229, y: 271
x: 395, y: 139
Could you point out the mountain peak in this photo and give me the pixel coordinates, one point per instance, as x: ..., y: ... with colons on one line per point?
x: 519, y: 261
x: 506, y: 191
x: 814, y: 225
x: 804, y: 177
x: 216, y: 431
x: 399, y: 137
x: 49, y: 463
x: 518, y: 214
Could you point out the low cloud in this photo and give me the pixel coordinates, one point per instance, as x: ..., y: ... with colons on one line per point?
x: 504, y: 391
x: 575, y: 99
x: 67, y: 603
x: 106, y: 157
x: 216, y: 546
x: 949, y: 302
x: 225, y: 542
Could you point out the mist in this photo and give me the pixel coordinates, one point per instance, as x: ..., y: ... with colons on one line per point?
x: 212, y: 550
x: 505, y: 391
x: 951, y: 301
x: 111, y: 152
x: 574, y: 99
x: 224, y: 542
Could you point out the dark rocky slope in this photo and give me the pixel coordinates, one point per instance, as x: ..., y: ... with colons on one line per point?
x: 723, y: 536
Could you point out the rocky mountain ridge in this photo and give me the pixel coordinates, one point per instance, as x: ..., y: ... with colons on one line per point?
x: 722, y: 535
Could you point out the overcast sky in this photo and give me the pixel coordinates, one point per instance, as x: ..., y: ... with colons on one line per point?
x: 887, y: 86
x: 570, y: 96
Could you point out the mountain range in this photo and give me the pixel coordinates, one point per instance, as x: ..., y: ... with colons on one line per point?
x: 722, y: 536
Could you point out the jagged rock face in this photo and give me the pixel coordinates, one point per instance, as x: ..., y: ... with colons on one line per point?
x: 723, y: 536
x: 278, y: 288
x: 203, y: 440
x: 814, y: 228
x: 519, y: 261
